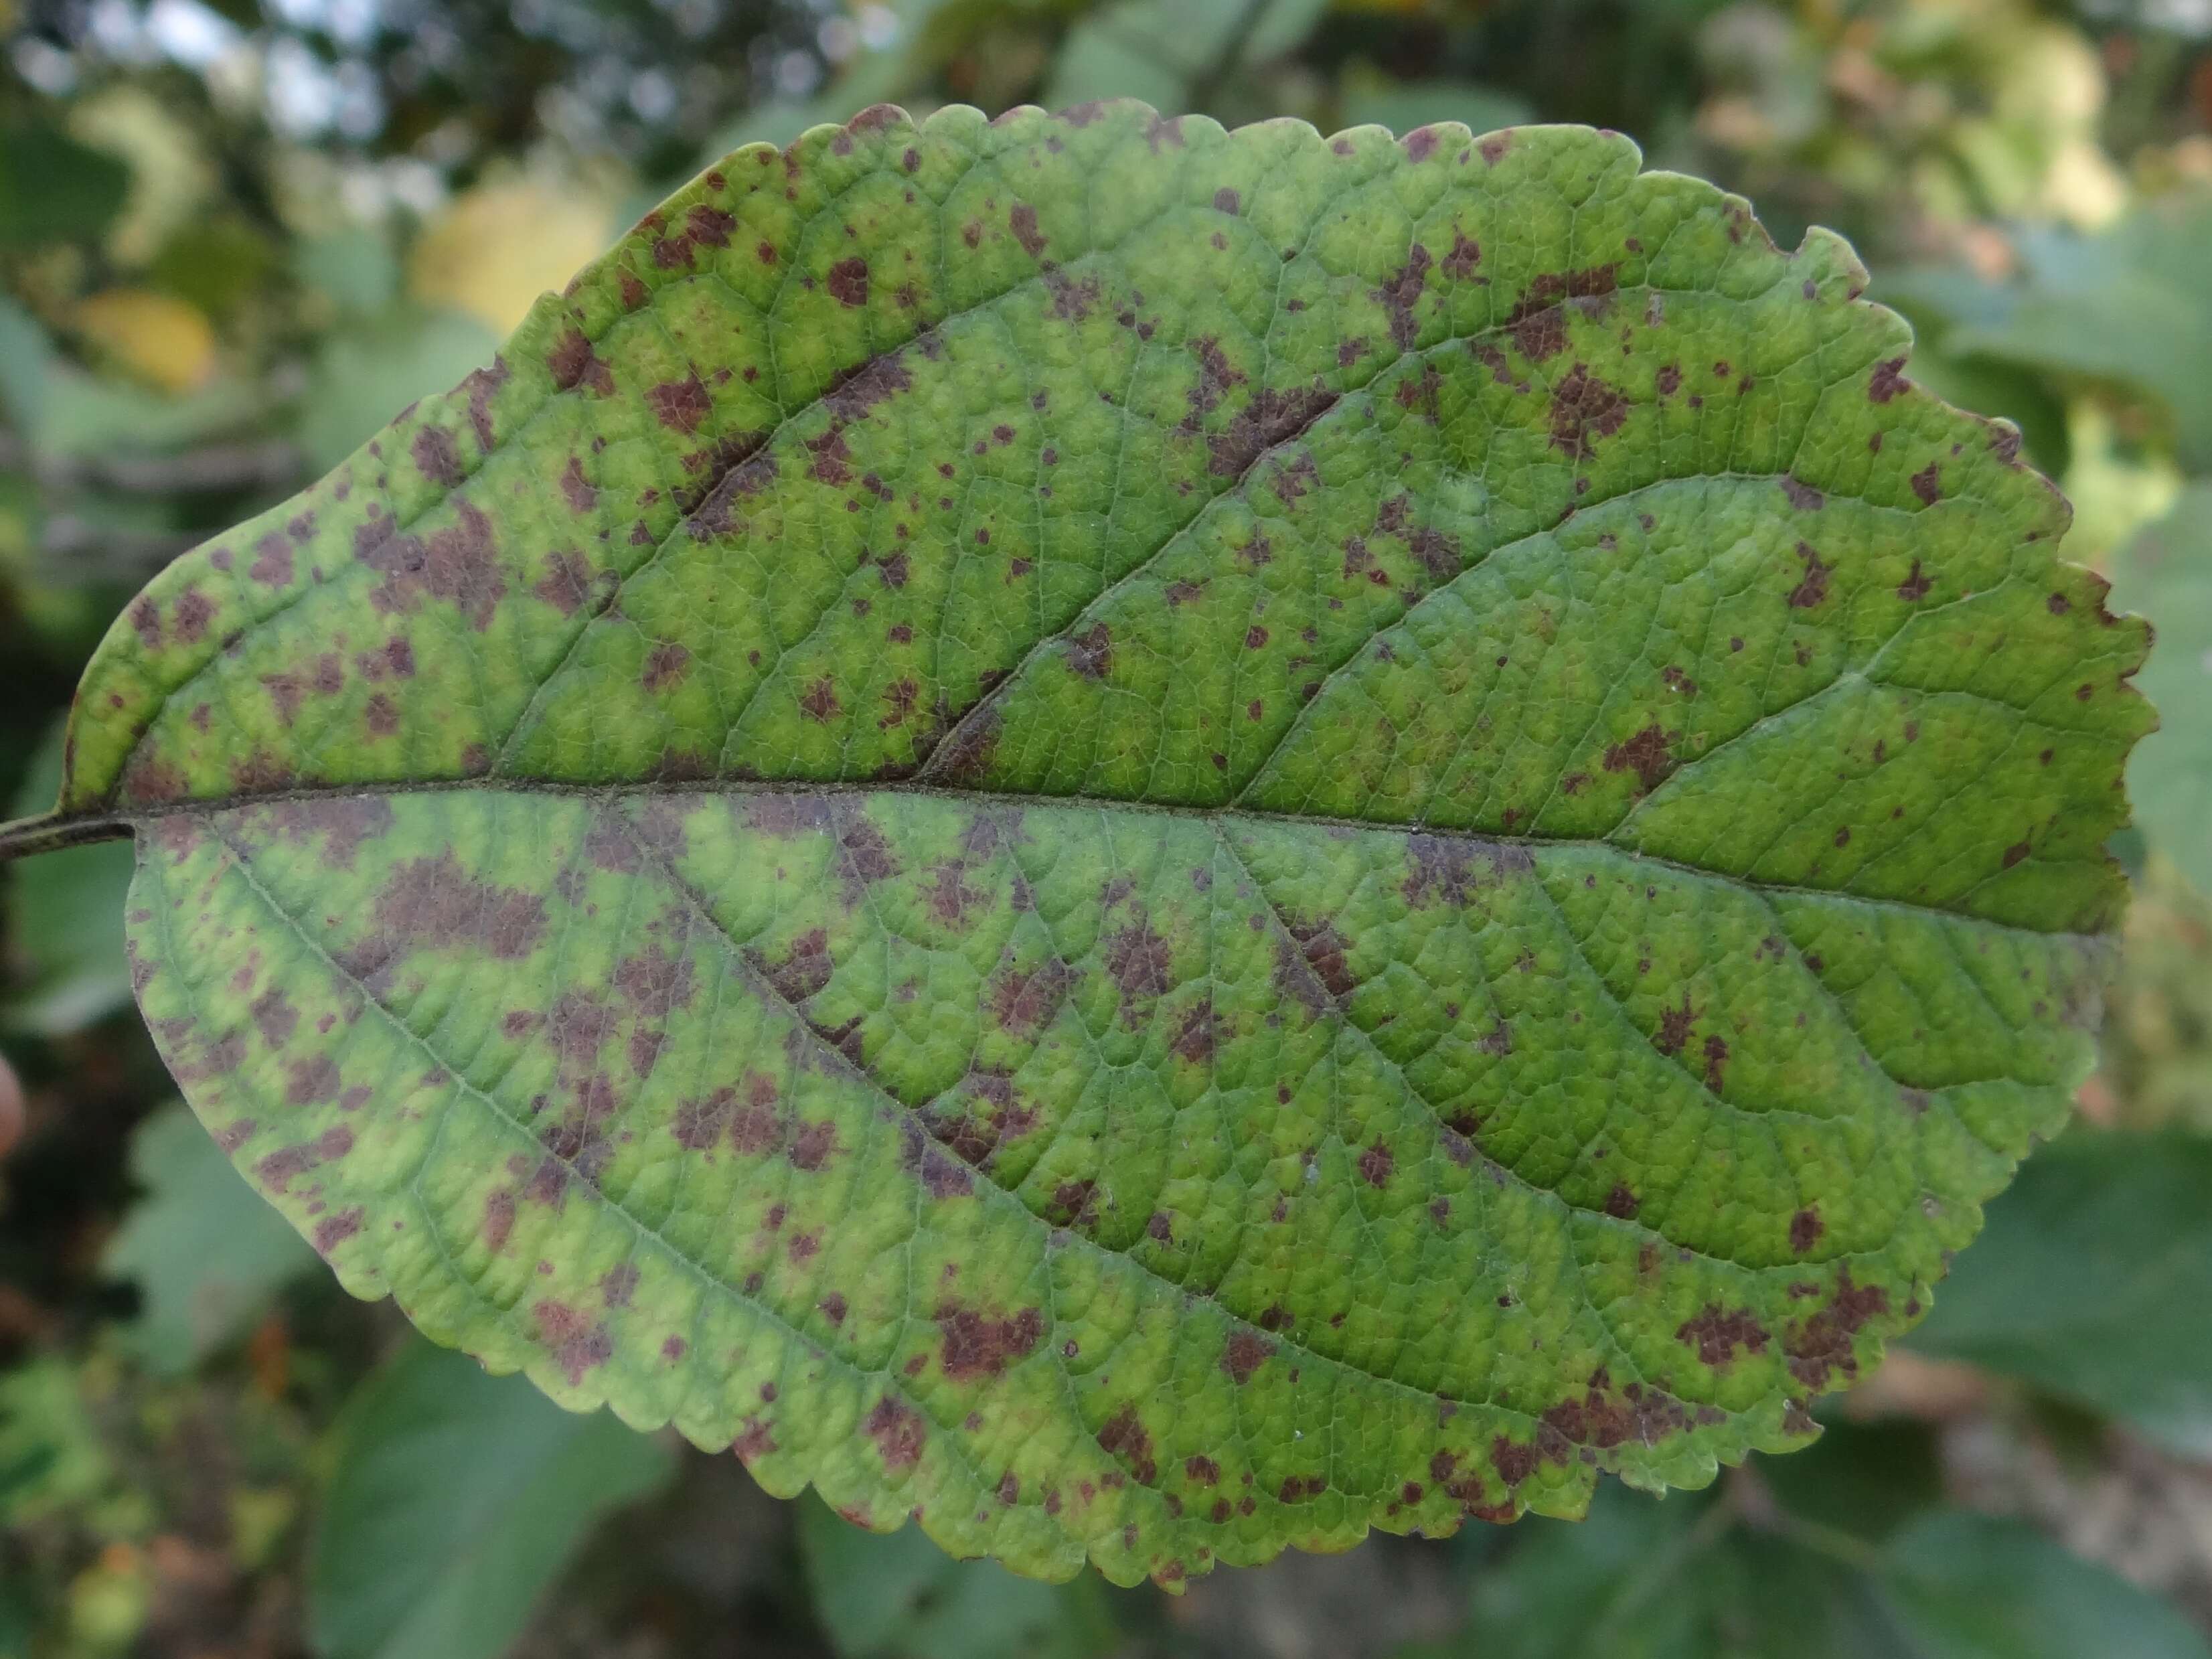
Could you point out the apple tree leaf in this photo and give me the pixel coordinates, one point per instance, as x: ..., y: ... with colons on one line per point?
x: 1154, y: 843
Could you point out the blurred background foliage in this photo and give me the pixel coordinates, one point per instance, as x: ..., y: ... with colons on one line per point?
x: 236, y: 235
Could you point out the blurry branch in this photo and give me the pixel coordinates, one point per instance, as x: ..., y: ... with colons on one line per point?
x: 265, y: 465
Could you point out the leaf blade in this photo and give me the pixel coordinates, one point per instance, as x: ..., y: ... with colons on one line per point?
x: 1335, y: 766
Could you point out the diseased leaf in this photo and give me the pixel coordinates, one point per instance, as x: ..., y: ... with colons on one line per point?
x: 457, y: 1498
x: 1154, y: 843
x: 2167, y: 571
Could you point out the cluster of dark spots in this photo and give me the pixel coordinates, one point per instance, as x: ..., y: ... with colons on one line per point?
x: 1466, y: 254
x: 1375, y: 1164
x: 344, y: 822
x: 578, y: 1344
x: 847, y: 282
x: 1622, y: 1204
x: 1198, y: 1033
x: 1216, y: 375
x: 572, y: 363
x: 1675, y: 1027
x: 853, y: 392
x: 802, y: 972
x: 1402, y: 291
x: 274, y: 1017
x: 333, y: 1231
x: 1802, y: 496
x: 818, y: 703
x: 567, y: 583
x: 1677, y: 682
x: 1927, y: 483
x: 1914, y: 586
x: 1022, y: 219
x: 396, y: 661
x: 479, y: 386
x: 1446, y: 867
x: 1602, y: 1418
x: 457, y: 563
x: 433, y: 903
x: 664, y: 666
x: 1310, y: 965
x: 654, y: 983
x: 1583, y: 409
x: 1269, y: 419
x: 1648, y: 754
x: 289, y: 688
x: 1822, y: 1343
x: 1418, y: 393
x: 680, y: 405
x: 1886, y: 380
x: 1074, y: 1204
x: 1716, y: 1332
x: 437, y: 457
x: 1716, y: 1056
x: 1805, y: 1229
x: 1537, y: 322
x: 1124, y: 1436
x: 278, y: 1168
x: 1021, y: 1001
x: 734, y: 467
x: 1812, y: 587
x: 978, y: 1344
x: 575, y: 490
x: 618, y: 1284
x: 272, y: 567
x: 1139, y: 961
x: 950, y: 898
x: 942, y: 1176
x: 498, y: 1218
x: 1090, y: 653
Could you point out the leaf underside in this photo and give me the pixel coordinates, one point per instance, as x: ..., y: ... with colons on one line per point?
x: 1154, y: 843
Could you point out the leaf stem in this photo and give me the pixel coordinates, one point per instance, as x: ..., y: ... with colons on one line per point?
x: 25, y: 838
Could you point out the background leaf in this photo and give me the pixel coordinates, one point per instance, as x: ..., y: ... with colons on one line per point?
x: 896, y: 1595
x: 2094, y: 1257
x: 457, y: 1498
x: 206, y: 1265
x: 2166, y: 572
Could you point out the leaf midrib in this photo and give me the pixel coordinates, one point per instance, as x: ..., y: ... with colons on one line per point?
x: 55, y: 829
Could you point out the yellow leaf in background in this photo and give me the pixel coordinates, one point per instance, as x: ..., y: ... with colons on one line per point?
x: 171, y: 176
x: 497, y: 248
x: 164, y: 341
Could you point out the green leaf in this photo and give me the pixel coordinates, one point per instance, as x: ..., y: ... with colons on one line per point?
x: 1690, y: 1579
x: 2089, y: 1255
x: 2166, y: 571
x: 206, y: 1265
x: 2127, y: 306
x: 457, y: 1498
x: 53, y: 188
x: 898, y: 1596
x: 1164, y: 52
x: 1974, y: 1587
x: 64, y: 920
x: 1154, y: 841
